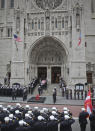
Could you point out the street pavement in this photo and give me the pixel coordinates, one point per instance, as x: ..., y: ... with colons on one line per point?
x: 76, y: 126
x: 73, y: 105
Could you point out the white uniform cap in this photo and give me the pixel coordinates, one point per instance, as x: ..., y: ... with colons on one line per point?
x: 66, y: 117
x: 54, y: 113
x: 54, y: 108
x: 9, y: 106
x: 42, y: 111
x: 1, y: 106
x: 11, y: 116
x: 68, y: 110
x: 6, y: 119
x: 52, y: 117
x: 35, y: 108
x: 21, y: 122
x: 4, y: 109
x: 40, y: 118
x: 27, y: 106
x: 27, y: 115
x: 65, y: 112
x: 29, y: 112
x: 45, y: 110
x: 18, y: 104
x: 83, y: 109
x: 54, y: 87
x: 65, y: 109
x: 17, y: 112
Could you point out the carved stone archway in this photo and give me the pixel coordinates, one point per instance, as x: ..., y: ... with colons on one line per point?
x: 47, y: 52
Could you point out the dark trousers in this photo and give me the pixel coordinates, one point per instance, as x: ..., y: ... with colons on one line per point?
x: 83, y: 127
x: 13, y: 96
x: 54, y: 98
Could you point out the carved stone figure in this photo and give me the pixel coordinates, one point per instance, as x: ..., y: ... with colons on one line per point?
x: 51, y: 4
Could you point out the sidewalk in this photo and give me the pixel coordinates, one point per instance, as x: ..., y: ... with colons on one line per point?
x: 60, y: 100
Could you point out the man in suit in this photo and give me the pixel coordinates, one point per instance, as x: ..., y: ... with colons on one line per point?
x: 83, y: 119
x: 92, y: 120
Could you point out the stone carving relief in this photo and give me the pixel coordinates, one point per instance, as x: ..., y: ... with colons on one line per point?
x: 49, y: 57
x: 64, y: 5
x: 50, y: 4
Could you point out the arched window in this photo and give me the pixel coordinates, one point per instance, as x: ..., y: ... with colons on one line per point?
x: 66, y: 22
x: 93, y: 6
x: 9, y: 32
x: 35, y: 23
x: 39, y: 24
x: 32, y: 24
x: 11, y: 3
x: 59, y: 22
x: 63, y: 22
x: 1, y: 32
x: 55, y: 22
x: 42, y: 23
x: 52, y: 22
x: 2, y: 3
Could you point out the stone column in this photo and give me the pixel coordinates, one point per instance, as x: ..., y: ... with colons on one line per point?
x: 17, y: 66
x: 49, y: 74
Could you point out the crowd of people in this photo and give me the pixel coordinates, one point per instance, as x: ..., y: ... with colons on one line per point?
x: 32, y: 85
x: 76, y: 94
x: 25, y: 118
x: 15, y: 90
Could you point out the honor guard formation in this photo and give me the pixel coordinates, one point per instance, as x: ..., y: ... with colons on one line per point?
x: 26, y: 118
x: 19, y: 118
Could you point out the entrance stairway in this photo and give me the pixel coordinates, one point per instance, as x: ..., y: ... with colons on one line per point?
x: 49, y: 90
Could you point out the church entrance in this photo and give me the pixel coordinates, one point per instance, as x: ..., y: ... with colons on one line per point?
x: 55, y: 74
x: 42, y: 73
x: 48, y: 58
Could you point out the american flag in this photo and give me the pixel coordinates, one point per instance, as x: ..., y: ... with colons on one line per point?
x: 16, y: 38
x: 79, y: 42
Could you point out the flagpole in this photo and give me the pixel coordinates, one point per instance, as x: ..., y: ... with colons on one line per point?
x: 16, y: 45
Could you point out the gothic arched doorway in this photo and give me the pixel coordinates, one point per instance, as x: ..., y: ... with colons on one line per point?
x: 48, y: 59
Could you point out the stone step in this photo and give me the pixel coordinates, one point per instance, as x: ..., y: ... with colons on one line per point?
x: 49, y: 90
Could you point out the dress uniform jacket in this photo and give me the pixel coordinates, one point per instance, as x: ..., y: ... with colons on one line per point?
x: 92, y: 121
x: 83, y: 120
x: 52, y: 125
x: 40, y: 126
x: 10, y: 126
x: 65, y: 125
x: 23, y: 128
x: 3, y: 115
x: 36, y: 114
x: 31, y: 122
x: 19, y: 116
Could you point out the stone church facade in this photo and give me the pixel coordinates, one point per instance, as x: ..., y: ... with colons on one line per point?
x: 57, y: 39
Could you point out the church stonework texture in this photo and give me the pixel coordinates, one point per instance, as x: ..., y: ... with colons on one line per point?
x: 57, y: 39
